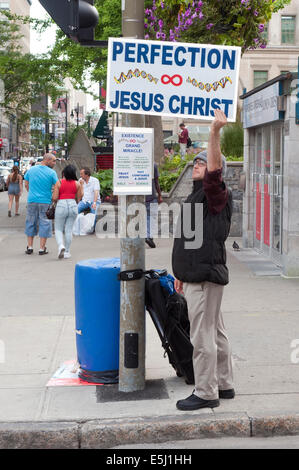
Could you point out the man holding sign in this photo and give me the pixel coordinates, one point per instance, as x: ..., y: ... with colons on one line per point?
x: 201, y: 274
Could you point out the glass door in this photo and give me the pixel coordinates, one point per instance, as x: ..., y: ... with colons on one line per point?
x: 277, y: 200
x: 266, y: 189
x: 257, y: 189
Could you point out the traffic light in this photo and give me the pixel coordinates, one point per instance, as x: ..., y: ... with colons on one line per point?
x: 76, y: 18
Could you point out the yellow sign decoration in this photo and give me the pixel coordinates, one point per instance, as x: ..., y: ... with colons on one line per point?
x: 123, y: 77
x: 210, y: 86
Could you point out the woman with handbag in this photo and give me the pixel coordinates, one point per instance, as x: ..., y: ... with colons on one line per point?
x: 14, y: 183
x: 67, y: 193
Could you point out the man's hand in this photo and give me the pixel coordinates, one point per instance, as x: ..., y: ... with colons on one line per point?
x: 214, y: 149
x: 220, y: 120
x: 178, y: 285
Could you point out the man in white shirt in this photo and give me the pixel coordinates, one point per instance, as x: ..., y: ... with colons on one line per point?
x: 91, y: 192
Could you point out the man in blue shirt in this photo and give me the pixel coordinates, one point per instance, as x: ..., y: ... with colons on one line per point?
x: 39, y: 181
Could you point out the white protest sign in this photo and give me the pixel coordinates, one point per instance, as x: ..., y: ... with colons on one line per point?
x: 172, y: 79
x: 132, y: 161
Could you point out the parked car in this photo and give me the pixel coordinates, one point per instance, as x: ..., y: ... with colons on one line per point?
x: 4, y: 171
x: 9, y: 163
x: 2, y: 183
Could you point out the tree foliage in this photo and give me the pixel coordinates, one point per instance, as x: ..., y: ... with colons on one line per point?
x: 88, y: 63
x: 229, y: 22
x: 232, y: 140
x: 26, y: 76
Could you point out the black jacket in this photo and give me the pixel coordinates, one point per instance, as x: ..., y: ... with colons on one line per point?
x: 207, y: 263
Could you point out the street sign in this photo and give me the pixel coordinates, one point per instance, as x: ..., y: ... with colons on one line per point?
x: 133, y: 161
x: 172, y: 79
x: 261, y: 107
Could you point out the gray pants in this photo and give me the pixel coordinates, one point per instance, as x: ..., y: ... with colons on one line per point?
x: 212, y: 359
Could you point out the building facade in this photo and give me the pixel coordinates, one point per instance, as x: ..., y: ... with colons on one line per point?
x: 69, y: 110
x: 281, y: 54
x: 270, y: 203
x: 14, y: 144
x: 22, y: 7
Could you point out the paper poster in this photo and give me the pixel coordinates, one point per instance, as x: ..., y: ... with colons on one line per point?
x: 132, y: 164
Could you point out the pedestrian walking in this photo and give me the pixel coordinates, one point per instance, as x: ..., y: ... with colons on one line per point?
x: 201, y: 274
x: 152, y: 201
x: 14, y: 183
x: 39, y: 181
x: 67, y: 193
x: 183, y: 139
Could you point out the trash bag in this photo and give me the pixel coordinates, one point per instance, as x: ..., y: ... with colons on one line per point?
x: 84, y: 224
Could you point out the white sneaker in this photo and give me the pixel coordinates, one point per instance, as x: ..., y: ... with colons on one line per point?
x: 67, y: 255
x: 61, y: 251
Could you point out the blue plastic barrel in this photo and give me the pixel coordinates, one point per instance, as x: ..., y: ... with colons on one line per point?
x: 97, y: 304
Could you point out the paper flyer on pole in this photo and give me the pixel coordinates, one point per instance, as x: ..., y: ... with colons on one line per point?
x: 172, y: 79
x: 132, y: 161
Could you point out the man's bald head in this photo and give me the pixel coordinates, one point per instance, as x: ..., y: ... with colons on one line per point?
x: 49, y: 160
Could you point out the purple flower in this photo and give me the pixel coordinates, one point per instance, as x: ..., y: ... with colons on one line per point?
x: 163, y: 36
x: 261, y: 27
x: 200, y: 16
x: 146, y: 36
x: 158, y: 35
x: 255, y: 13
x: 160, y: 23
x: 162, y: 5
x: 199, y: 4
x: 209, y: 26
x: 263, y: 45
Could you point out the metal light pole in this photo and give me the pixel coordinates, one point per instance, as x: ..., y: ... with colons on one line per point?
x: 47, y: 123
x: 132, y: 310
x: 77, y: 110
x: 66, y: 126
x: 65, y: 100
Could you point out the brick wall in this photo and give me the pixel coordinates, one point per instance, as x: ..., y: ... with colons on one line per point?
x: 183, y: 187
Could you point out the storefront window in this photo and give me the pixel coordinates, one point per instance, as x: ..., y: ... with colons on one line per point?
x: 288, y: 24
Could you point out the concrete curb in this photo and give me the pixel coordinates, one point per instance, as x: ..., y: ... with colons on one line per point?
x: 104, y: 434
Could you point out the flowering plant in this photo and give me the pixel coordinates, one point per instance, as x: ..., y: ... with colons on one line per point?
x: 231, y: 22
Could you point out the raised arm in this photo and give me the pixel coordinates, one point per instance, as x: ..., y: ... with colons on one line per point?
x: 214, y: 150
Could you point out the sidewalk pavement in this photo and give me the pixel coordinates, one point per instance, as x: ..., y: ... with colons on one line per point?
x: 37, y: 335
